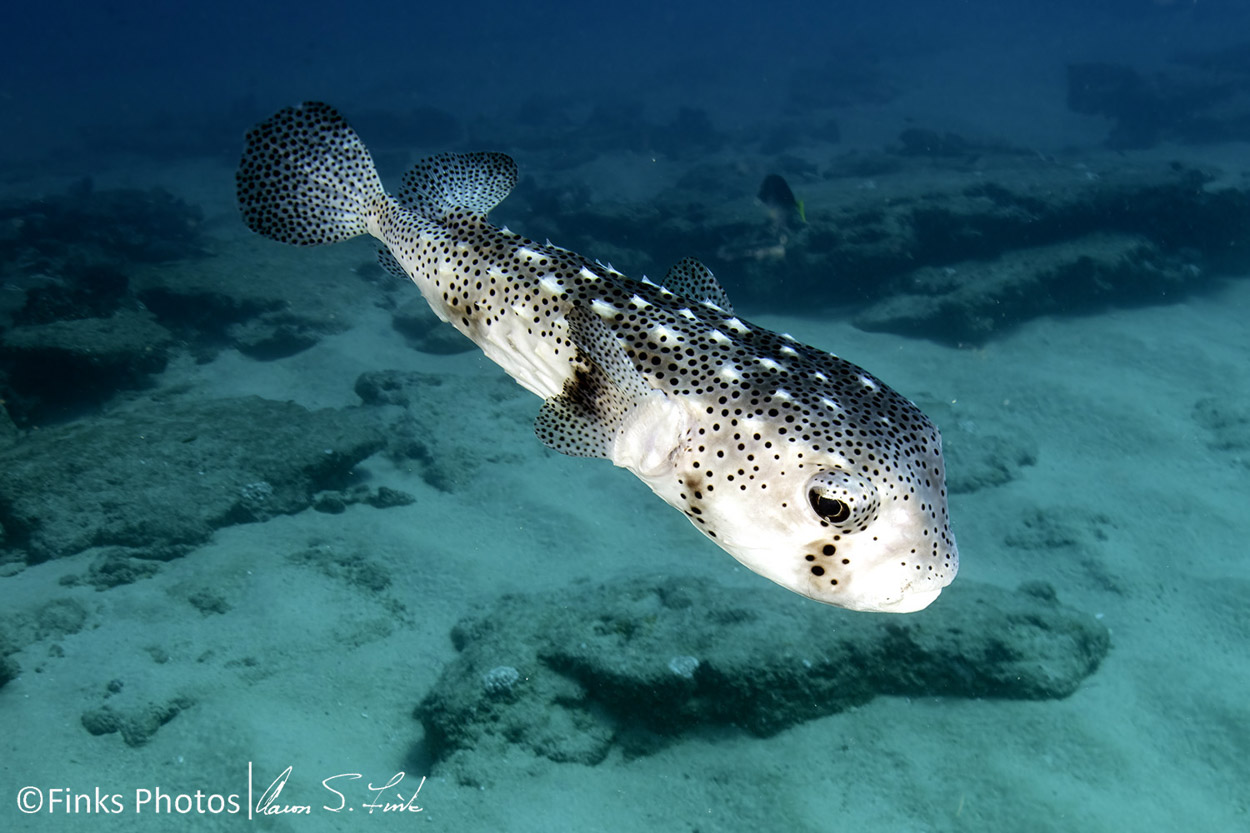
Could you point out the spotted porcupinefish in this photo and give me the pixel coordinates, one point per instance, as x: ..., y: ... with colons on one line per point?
x: 804, y: 467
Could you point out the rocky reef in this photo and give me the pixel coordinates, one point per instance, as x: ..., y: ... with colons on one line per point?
x: 106, y: 286
x: 1200, y: 97
x: 632, y: 665
x: 939, y: 236
x: 150, y: 482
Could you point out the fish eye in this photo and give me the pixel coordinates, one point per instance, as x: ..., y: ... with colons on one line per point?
x: 843, y: 499
x: 830, y: 508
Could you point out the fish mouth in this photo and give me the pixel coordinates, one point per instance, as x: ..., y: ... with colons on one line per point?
x: 887, y: 594
x: 910, y: 602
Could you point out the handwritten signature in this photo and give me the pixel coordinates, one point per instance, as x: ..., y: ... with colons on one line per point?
x: 270, y: 805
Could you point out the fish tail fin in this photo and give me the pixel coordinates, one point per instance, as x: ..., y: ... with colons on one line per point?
x: 306, y: 178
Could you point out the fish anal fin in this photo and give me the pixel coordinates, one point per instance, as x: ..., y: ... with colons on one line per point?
x: 392, y: 266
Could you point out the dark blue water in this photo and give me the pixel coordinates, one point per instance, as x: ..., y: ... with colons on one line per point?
x: 75, y: 74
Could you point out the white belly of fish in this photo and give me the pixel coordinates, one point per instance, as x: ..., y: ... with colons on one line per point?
x: 509, y: 340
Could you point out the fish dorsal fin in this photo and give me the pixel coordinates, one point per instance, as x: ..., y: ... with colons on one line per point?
x: 583, y: 421
x: 695, y: 281
x: 439, y: 185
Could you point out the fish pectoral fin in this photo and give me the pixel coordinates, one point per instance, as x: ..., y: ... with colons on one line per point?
x: 586, y: 418
x: 442, y: 184
x: 690, y: 278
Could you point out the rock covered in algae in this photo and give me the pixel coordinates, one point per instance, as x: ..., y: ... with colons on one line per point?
x: 637, y: 663
x: 155, y: 479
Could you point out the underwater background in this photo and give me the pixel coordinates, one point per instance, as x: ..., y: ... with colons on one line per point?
x: 272, y: 535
